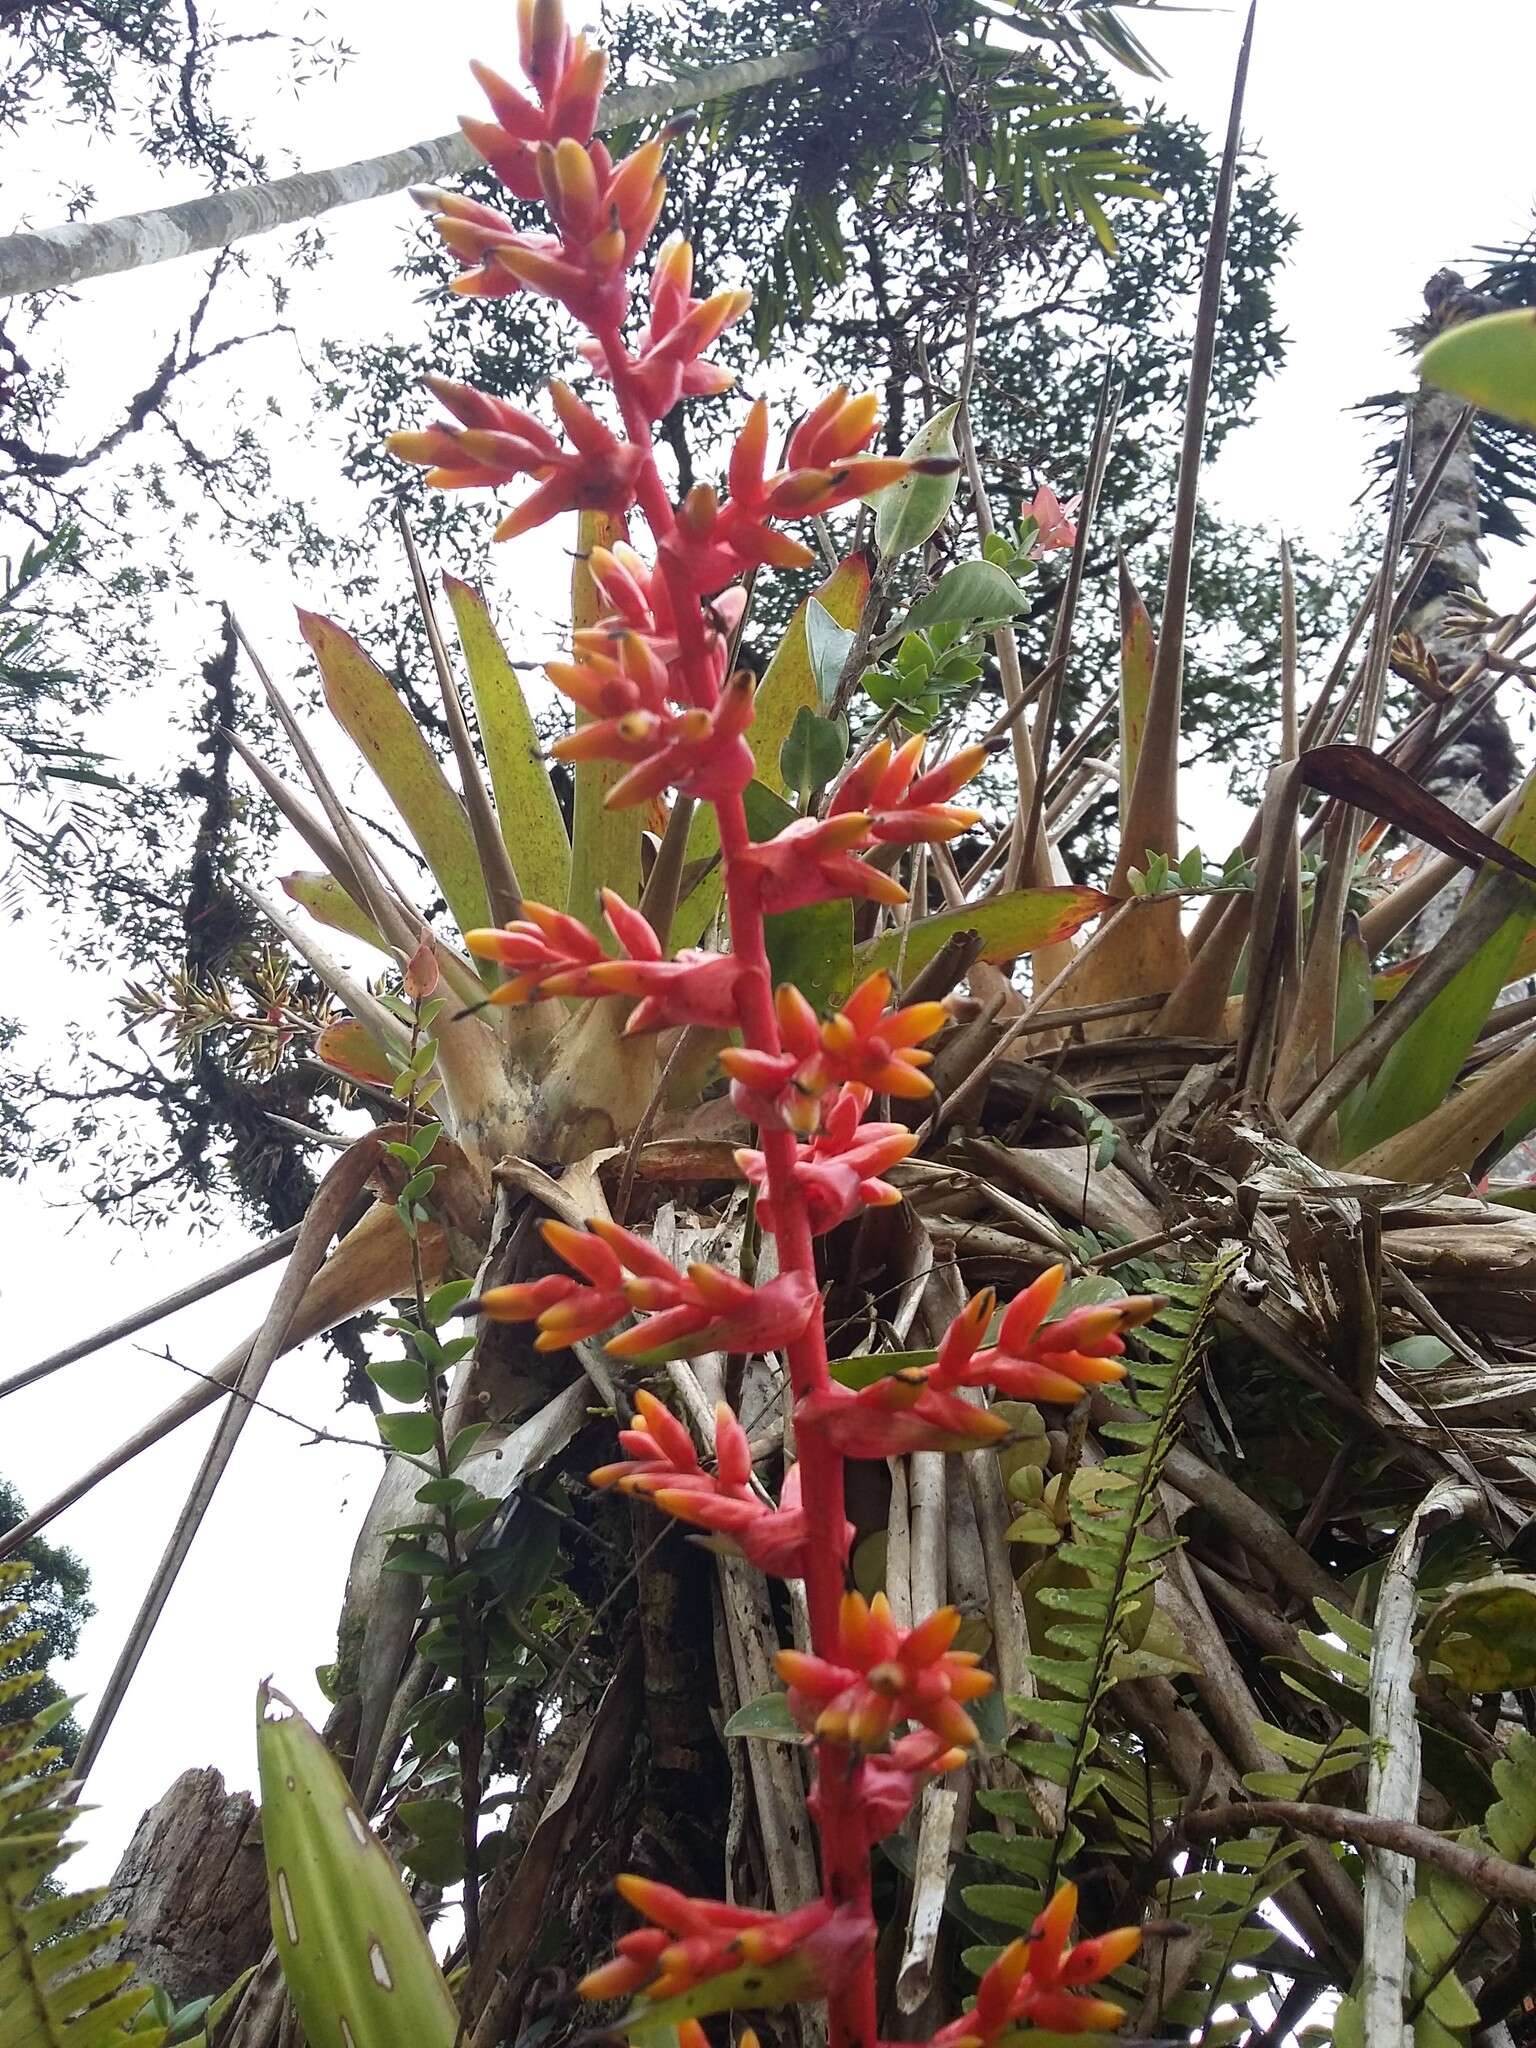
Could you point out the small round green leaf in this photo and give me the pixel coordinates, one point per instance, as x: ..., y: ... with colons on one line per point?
x: 912, y: 511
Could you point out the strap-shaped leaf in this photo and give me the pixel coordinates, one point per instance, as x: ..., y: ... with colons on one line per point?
x: 354, y: 1954
x: 531, y: 820
x: 364, y: 703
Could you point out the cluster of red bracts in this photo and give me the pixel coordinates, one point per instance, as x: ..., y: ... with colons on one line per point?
x: 661, y: 1462
x: 788, y: 1957
x: 862, y: 1045
x: 809, y: 1953
x: 604, y: 213
x: 703, y: 1309
x: 924, y: 1407
x: 1035, y: 1981
x: 549, y: 953
x: 881, y: 1676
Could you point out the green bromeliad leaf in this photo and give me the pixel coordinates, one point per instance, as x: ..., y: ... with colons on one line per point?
x: 529, y: 811
x: 354, y: 1954
x: 364, y: 703
x: 1008, y: 925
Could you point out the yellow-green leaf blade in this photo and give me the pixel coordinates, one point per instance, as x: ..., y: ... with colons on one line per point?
x: 1489, y: 362
x: 328, y: 903
x: 532, y: 823
x: 1015, y: 923
x: 364, y: 704
x: 354, y: 1954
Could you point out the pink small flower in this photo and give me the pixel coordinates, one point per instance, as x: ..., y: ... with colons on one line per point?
x: 896, y: 1415
x: 1053, y: 521
x: 837, y: 1173
x: 810, y: 861
x: 810, y: 1952
x: 905, y: 806
x: 1035, y: 1360
x: 703, y: 1309
x: 597, y: 473
x: 893, y: 1778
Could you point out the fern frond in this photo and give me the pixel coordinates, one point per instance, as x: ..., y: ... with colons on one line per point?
x: 1103, y: 1576
x: 53, y: 1994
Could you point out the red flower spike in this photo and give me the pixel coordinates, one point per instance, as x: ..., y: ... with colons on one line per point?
x: 1031, y: 1982
x: 882, y: 1676
x: 809, y: 1953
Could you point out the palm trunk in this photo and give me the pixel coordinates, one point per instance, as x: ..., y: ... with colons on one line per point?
x: 1480, y: 765
x: 55, y: 258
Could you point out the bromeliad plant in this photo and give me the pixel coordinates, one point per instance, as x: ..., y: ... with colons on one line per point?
x: 654, y: 681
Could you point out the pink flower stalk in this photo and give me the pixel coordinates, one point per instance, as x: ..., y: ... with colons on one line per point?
x: 663, y: 1464
x: 1054, y: 526
x: 657, y: 689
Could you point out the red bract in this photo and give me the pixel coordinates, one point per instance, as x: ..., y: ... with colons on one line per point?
x: 896, y: 1415
x: 1033, y: 1981
x: 702, y: 753
x: 812, y: 861
x: 663, y: 1464
x: 903, y: 805
x: 837, y: 1173
x: 556, y: 955
x: 891, y: 1781
x: 879, y: 1676
x: 597, y: 473
x: 805, y: 1954
x: 668, y: 360
x: 1034, y: 1360
x: 700, y: 1310
x: 714, y: 542
x: 862, y: 1046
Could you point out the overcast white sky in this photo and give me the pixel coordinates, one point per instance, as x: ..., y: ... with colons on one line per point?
x: 1398, y: 134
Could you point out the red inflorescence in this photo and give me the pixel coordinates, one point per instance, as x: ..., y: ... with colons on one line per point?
x: 657, y: 687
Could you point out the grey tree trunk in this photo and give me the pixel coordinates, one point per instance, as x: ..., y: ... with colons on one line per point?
x: 1481, y: 765
x: 53, y: 258
x: 192, y: 1890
